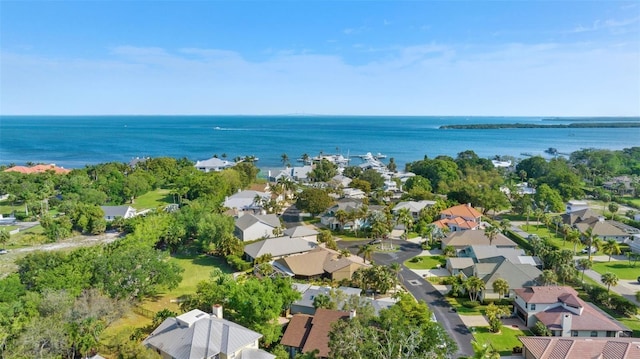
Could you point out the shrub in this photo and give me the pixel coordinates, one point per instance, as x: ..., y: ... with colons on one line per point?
x: 416, y: 260
x: 541, y: 330
x: 238, y: 263
x: 470, y: 304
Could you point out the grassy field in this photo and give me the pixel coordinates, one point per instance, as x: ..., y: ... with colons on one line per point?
x: 153, y: 199
x: 620, y: 268
x: 426, y: 262
x: 544, y: 233
x: 503, y: 341
x: 196, y: 269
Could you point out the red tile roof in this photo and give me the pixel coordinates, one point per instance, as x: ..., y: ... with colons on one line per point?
x: 544, y: 294
x: 463, y: 210
x: 312, y: 332
x: 38, y: 169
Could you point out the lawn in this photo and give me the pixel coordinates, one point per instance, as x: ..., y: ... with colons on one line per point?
x: 504, y: 342
x: 620, y: 268
x: 153, y: 199
x: 196, y: 269
x: 426, y: 262
x: 544, y: 233
x: 457, y: 304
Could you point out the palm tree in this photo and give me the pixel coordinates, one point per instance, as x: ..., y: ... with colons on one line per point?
x: 404, y: 216
x: 539, y: 213
x: 505, y: 224
x: 573, y: 236
x: 609, y: 279
x: 396, y: 268
x: 449, y: 251
x: 528, y: 211
x: 366, y: 251
x: 344, y: 253
x: 584, y: 264
x: 474, y: 286
x: 341, y: 216
x: 491, y: 232
x: 611, y: 247
x: 501, y: 286
x: 284, y: 159
x: 305, y: 158
x: 484, y: 351
x: 592, y: 239
x: 548, y: 277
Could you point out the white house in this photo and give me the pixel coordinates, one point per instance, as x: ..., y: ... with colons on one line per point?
x: 246, y: 201
x: 575, y: 205
x: 413, y: 206
x: 563, y: 313
x: 250, y: 227
x: 213, y: 164
x: 197, y: 334
x: 112, y: 212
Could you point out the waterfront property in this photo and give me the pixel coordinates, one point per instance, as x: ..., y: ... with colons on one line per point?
x: 213, y: 164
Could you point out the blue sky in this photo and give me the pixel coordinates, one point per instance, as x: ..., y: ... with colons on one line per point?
x: 502, y: 58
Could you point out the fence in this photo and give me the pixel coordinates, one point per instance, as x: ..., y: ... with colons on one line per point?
x: 144, y: 312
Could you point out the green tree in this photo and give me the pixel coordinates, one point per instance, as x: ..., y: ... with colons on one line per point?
x: 611, y: 247
x: 501, y: 286
x: 613, y: 208
x: 323, y: 171
x: 4, y: 236
x: 404, y: 216
x: 449, y: 251
x: 491, y: 232
x: 609, y: 279
x: 484, y: 351
x: 313, y: 200
x: 366, y: 251
x: 592, y: 240
x: 584, y: 264
x: 548, y: 198
x: 548, y: 277
x: 474, y: 287
x: 323, y: 301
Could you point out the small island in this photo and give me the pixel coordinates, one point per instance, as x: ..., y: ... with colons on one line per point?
x: 489, y: 126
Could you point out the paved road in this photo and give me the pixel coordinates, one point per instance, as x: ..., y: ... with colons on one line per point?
x: 423, y: 290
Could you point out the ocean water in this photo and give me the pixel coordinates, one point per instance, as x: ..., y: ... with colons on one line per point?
x: 74, y: 142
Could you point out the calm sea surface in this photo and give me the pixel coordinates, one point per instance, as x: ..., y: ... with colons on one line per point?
x: 73, y: 142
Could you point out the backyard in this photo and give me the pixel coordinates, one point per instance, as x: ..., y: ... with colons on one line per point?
x: 544, y: 233
x: 153, y: 199
x: 504, y: 342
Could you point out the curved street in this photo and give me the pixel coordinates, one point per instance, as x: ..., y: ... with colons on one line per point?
x: 421, y: 289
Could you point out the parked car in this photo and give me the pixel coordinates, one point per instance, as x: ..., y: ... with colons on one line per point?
x: 375, y: 241
x: 3, y: 251
x: 586, y: 250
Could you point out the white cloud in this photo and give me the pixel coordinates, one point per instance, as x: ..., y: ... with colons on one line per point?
x: 510, y: 79
x: 610, y: 24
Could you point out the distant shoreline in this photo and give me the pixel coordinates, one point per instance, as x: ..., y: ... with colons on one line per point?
x: 533, y: 125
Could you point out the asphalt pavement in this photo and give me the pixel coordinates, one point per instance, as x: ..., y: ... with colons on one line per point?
x: 422, y: 289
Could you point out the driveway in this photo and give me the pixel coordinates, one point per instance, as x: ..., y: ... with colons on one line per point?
x: 422, y: 290
x: 625, y: 287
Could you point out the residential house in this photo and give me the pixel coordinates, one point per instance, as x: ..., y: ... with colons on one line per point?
x: 309, y: 292
x: 320, y: 262
x: 246, y: 201
x: 495, y: 254
x: 196, y: 335
x: 622, y: 185
x: 581, y: 348
x: 456, y: 265
x: 213, y: 164
x: 459, y: 218
x: 250, y: 227
x: 348, y: 205
x: 577, y: 216
x: 306, y: 333
x: 413, y: 206
x: 304, y: 232
x: 516, y: 275
x: 463, y: 239
x: 354, y: 193
x: 39, y: 169
x: 340, y: 181
x: 574, y: 205
x: 278, y: 247
x: 113, y: 212
x: 298, y: 173
x: 605, y: 230
x: 566, y: 315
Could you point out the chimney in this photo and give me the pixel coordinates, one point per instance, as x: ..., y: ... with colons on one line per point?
x: 601, y: 219
x: 566, y: 325
x: 469, y: 205
x: 352, y: 314
x: 216, y: 311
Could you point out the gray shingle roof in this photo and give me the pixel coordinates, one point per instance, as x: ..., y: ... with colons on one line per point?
x: 248, y: 220
x: 300, y: 231
x: 278, y: 247
x: 205, y: 337
x: 517, y: 275
x: 115, y: 211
